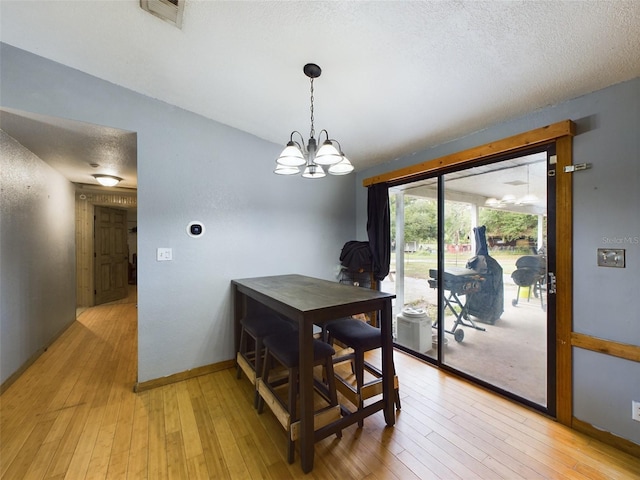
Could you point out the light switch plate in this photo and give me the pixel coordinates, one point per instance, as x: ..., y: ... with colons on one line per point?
x: 164, y: 254
x: 611, y: 257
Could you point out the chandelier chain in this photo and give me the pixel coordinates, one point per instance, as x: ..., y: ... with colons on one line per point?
x: 313, y: 132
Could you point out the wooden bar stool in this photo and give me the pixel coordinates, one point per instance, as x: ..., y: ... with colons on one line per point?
x: 254, y: 328
x: 361, y: 337
x: 284, y: 349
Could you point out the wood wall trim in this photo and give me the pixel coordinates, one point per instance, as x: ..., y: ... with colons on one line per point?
x: 522, y: 141
x: 86, y: 199
x: 620, y: 443
x: 564, y: 281
x: 560, y: 133
x: 178, y: 377
x: 608, y: 347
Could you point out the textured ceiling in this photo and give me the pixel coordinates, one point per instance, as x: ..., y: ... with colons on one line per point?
x: 397, y: 76
x: 71, y: 147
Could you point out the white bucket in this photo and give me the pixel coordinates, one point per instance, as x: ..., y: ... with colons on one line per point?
x: 414, y: 329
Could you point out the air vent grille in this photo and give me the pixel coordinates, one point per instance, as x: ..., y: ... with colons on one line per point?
x: 168, y: 10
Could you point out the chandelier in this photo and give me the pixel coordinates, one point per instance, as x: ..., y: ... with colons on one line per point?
x: 314, y: 159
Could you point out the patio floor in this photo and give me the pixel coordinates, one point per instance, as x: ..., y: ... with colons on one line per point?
x: 511, y: 354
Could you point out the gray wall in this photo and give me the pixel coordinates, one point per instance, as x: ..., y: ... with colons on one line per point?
x: 606, y: 206
x: 192, y: 168
x: 37, y: 255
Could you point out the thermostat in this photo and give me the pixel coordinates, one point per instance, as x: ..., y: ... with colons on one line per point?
x: 195, y: 229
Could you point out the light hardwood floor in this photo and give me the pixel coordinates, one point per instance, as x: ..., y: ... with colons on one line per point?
x: 73, y: 414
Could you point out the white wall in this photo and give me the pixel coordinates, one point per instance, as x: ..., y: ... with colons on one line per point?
x: 192, y: 168
x: 37, y: 255
x: 606, y: 207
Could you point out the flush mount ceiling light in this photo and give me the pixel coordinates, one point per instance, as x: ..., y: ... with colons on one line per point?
x: 296, y: 155
x: 107, y: 180
x: 510, y: 199
x: 168, y: 10
x: 493, y: 202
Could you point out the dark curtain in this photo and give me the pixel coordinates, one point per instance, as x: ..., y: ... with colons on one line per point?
x: 379, y: 229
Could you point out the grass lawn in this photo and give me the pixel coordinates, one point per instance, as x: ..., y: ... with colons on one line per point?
x: 417, y: 264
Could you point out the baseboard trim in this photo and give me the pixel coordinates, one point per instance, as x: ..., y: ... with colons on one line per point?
x: 620, y: 443
x: 32, y: 359
x: 178, y: 377
x: 15, y: 375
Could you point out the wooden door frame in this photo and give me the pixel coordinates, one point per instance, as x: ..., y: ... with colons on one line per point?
x: 561, y: 134
x: 86, y: 200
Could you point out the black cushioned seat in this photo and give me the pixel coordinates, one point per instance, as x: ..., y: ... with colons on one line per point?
x: 285, y: 349
x: 264, y: 325
x: 257, y: 326
x: 361, y: 337
x: 355, y: 334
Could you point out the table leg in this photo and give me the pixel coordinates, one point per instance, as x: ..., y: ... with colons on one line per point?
x: 387, y: 363
x: 238, y: 312
x: 307, y: 440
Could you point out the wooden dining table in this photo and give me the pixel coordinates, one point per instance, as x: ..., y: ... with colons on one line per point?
x: 307, y: 301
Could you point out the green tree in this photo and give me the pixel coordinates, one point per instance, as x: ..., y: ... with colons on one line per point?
x: 420, y: 224
x: 420, y: 220
x: 508, y: 225
x: 457, y: 223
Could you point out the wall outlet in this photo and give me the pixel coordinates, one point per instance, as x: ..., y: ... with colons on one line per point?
x: 635, y: 410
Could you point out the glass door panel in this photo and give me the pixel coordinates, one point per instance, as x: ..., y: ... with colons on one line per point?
x: 414, y: 236
x: 494, y: 294
x: 487, y: 316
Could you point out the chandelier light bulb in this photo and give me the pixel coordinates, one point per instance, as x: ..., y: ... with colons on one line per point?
x: 313, y: 171
x: 343, y: 167
x: 291, y: 156
x: 328, y: 154
x: 286, y: 170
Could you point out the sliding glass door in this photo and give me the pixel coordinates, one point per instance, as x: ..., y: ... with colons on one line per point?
x: 471, y: 258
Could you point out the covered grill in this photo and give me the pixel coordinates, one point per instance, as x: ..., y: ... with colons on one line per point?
x: 458, y: 282
x: 480, y: 282
x: 530, y: 272
x: 486, y: 305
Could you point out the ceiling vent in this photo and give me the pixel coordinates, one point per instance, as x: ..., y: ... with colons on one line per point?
x: 168, y: 10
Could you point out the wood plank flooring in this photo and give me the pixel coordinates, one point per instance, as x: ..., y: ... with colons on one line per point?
x: 73, y: 414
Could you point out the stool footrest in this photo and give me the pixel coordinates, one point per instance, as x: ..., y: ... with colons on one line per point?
x: 373, y: 370
x: 368, y: 390
x: 347, y: 390
x: 321, y: 419
x: 246, y: 368
x: 274, y: 404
